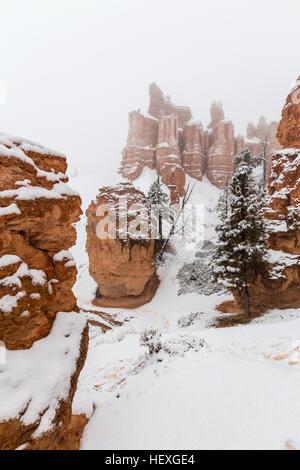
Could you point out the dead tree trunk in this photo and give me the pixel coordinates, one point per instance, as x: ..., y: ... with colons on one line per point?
x: 185, y: 200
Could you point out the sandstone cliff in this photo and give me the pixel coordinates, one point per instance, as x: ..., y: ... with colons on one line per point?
x: 168, y: 161
x: 284, y: 187
x: 141, y: 144
x: 280, y: 287
x: 37, y: 273
x: 194, y: 161
x: 221, y: 150
x: 121, y: 252
x: 162, y: 106
x: 169, y: 141
x: 288, y: 131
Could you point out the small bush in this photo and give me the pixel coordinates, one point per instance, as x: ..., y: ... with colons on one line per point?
x: 185, y: 322
x: 151, y: 340
x: 196, y: 277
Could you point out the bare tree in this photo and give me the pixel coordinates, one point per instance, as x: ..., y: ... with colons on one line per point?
x: 185, y: 200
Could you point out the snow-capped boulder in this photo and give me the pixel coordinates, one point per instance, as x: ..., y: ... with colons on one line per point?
x: 122, y: 265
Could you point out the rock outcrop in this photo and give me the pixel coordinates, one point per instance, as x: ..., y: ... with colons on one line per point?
x: 37, y: 210
x: 141, y: 144
x: 288, y: 131
x: 154, y: 141
x: 170, y: 142
x: 220, y: 162
x: 168, y: 161
x: 216, y: 114
x: 162, y: 106
x: 194, y: 159
x: 37, y: 273
x: 120, y: 247
x: 280, y: 286
x: 284, y: 187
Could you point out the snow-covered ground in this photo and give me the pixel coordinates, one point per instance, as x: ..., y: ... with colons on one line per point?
x: 206, y: 388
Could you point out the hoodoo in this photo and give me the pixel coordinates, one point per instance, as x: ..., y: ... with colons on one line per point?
x: 120, y: 247
x: 167, y: 140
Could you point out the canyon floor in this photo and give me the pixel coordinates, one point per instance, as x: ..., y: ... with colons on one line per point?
x: 207, y: 387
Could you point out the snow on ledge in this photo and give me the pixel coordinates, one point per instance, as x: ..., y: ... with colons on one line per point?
x: 9, y: 302
x: 65, y: 255
x: 280, y: 257
x: 16, y: 147
x: 28, y: 145
x: 38, y: 379
x: 9, y: 210
x: 7, y: 260
x: 30, y: 193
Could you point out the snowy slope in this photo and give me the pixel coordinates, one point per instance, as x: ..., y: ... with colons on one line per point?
x: 88, y: 187
x: 227, y: 396
x: 239, y: 391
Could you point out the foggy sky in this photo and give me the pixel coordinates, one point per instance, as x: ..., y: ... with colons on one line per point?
x: 75, y: 68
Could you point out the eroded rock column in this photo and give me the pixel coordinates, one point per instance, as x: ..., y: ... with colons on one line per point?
x: 168, y: 161
x: 120, y: 247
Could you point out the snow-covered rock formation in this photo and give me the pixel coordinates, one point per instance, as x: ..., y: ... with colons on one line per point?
x: 120, y: 261
x: 168, y: 140
x: 37, y: 273
x: 280, y: 287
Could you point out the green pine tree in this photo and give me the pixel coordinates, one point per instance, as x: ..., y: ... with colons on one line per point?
x: 159, y: 202
x: 241, y: 247
x: 223, y: 202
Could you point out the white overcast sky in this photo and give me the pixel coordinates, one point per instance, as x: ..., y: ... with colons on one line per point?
x: 75, y: 68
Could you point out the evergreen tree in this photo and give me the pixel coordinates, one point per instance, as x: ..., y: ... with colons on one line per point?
x: 223, y: 202
x: 159, y: 202
x: 241, y: 246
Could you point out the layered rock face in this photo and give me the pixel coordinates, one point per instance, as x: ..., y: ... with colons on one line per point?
x: 37, y: 210
x: 220, y: 166
x: 284, y: 187
x: 288, y: 131
x: 194, y: 161
x: 168, y: 161
x: 37, y: 273
x: 169, y: 141
x: 280, y: 287
x: 216, y: 114
x: 141, y: 143
x: 161, y: 106
x: 154, y: 142
x: 120, y: 248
